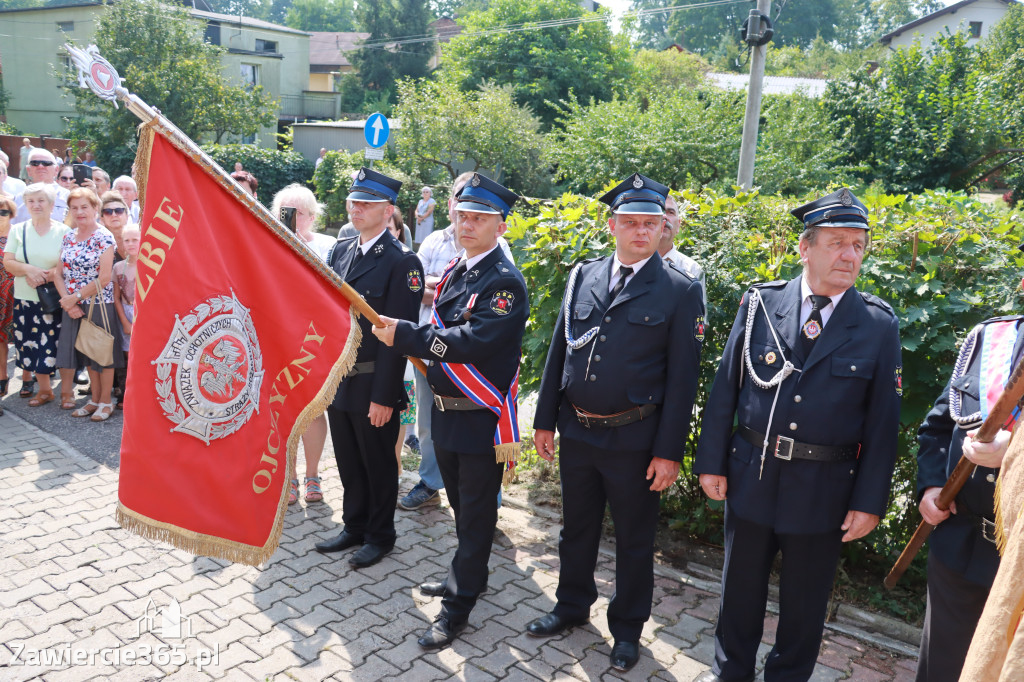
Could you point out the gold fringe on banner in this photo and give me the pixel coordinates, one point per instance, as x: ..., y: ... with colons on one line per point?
x: 140, y: 169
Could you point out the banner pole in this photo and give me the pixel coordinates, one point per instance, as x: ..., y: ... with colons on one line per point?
x: 98, y: 75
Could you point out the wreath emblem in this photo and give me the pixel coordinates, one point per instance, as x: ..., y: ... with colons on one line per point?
x: 210, y: 372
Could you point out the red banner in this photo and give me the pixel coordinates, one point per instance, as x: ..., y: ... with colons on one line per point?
x: 239, y: 342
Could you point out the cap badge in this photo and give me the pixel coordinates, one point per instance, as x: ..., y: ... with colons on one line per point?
x: 845, y: 198
x: 362, y: 174
x: 637, y: 182
x: 475, y: 181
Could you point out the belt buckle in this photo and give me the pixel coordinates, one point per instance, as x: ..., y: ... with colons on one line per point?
x: 584, y: 419
x: 988, y: 530
x: 438, y: 403
x: 779, y: 442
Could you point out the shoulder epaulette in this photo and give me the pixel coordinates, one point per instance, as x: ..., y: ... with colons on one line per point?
x: 871, y: 299
x: 681, y: 271
x: 777, y: 284
x: 1004, y: 318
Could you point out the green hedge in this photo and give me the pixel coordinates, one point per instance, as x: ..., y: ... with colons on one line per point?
x: 944, y: 261
x: 273, y: 169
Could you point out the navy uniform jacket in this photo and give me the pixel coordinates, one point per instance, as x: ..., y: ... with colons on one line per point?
x: 647, y: 351
x: 847, y: 392
x: 390, y: 279
x: 490, y: 338
x: 958, y: 541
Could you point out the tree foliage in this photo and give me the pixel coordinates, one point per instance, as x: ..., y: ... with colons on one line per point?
x: 273, y: 169
x: 159, y: 50
x: 321, y: 15
x: 543, y: 65
x: 379, y: 65
x: 691, y: 137
x: 485, y: 130
x: 920, y: 120
x: 657, y: 70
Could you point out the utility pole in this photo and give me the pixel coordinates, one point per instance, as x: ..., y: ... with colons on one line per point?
x: 758, y: 34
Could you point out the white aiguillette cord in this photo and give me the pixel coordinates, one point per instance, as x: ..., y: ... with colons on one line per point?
x: 780, y: 376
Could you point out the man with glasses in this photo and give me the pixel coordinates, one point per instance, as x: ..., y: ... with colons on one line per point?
x: 42, y: 167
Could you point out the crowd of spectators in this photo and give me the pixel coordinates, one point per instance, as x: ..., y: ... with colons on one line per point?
x: 63, y: 230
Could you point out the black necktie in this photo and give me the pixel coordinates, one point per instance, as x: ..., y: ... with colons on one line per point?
x: 624, y: 272
x: 355, y: 261
x: 814, y: 325
x: 457, y: 274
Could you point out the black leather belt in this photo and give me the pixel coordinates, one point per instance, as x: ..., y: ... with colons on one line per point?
x: 787, y: 448
x: 633, y: 414
x: 361, y: 368
x: 446, y: 404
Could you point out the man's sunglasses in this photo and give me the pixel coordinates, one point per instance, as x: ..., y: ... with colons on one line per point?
x: 114, y: 211
x: 40, y: 162
x: 5, y: 212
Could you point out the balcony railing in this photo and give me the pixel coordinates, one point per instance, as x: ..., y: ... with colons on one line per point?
x: 322, y: 105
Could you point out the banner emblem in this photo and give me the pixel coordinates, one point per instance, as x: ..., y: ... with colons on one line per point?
x: 210, y: 372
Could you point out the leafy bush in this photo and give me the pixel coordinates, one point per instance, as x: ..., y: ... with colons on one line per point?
x: 273, y: 169
x: 691, y: 137
x: 944, y: 261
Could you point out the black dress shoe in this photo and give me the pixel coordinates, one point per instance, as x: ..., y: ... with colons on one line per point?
x: 343, y: 541
x: 625, y: 655
x: 434, y: 589
x: 440, y: 634
x: 551, y: 624
x: 369, y: 555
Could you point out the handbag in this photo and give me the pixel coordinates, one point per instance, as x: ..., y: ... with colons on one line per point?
x: 49, y: 297
x: 94, y: 341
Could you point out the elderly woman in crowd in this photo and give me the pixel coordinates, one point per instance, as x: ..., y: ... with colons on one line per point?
x: 307, y: 211
x: 425, y: 214
x: 87, y: 261
x: 7, y: 211
x: 32, y: 251
x: 66, y: 177
x: 115, y: 216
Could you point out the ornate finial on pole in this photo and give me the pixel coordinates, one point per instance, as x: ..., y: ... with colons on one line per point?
x: 98, y: 75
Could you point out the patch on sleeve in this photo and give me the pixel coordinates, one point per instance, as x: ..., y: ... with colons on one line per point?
x: 899, y: 380
x: 698, y: 328
x: 501, y: 302
x: 415, y: 280
x: 438, y: 347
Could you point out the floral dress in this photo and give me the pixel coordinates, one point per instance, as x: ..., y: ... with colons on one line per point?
x: 6, y: 300
x: 81, y: 261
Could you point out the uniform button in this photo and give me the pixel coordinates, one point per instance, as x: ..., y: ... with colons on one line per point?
x: 853, y: 368
x: 646, y: 318
x: 797, y: 399
x: 851, y: 472
x: 650, y: 397
x: 608, y: 318
x: 601, y: 338
x: 593, y: 377
x: 760, y: 357
x: 597, y: 358
x: 991, y: 478
x: 967, y: 384
x: 734, y: 449
x: 792, y: 426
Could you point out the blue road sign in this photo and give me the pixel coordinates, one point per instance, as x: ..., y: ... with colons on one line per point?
x: 376, y: 130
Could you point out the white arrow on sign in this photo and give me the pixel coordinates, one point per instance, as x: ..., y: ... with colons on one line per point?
x: 377, y: 126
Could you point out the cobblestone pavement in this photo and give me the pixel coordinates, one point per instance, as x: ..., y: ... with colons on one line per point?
x: 76, y: 590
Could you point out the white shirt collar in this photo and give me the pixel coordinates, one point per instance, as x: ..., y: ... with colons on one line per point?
x: 470, y: 262
x: 370, y: 242
x: 805, y: 293
x: 616, y: 264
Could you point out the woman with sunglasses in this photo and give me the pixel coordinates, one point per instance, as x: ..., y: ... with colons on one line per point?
x: 87, y: 261
x: 66, y: 177
x: 32, y: 250
x: 114, y: 216
x: 6, y: 293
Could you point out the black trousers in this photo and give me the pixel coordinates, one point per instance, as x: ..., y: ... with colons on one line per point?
x: 369, y: 474
x: 591, y: 478
x: 953, y: 610
x: 808, y: 572
x: 472, y: 481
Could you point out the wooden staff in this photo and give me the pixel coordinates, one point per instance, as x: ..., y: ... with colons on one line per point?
x: 997, y: 417
x: 364, y: 308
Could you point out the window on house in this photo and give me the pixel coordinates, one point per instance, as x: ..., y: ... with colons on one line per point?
x: 974, y: 29
x: 65, y: 26
x: 266, y: 45
x: 250, y: 75
x: 212, y: 33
